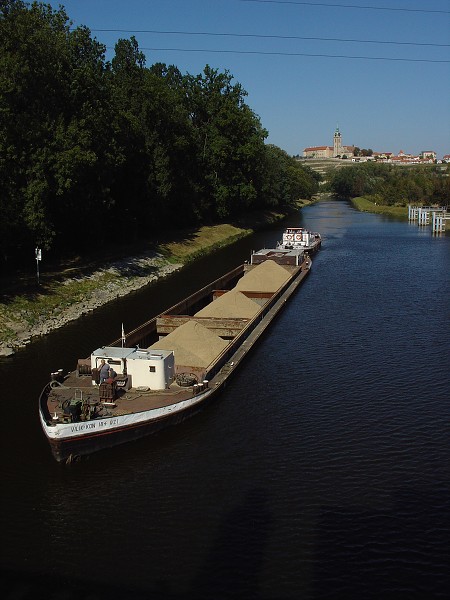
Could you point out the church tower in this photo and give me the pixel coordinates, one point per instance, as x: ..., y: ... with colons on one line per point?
x: 337, y: 143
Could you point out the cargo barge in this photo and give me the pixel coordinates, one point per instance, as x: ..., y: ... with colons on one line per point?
x: 168, y: 368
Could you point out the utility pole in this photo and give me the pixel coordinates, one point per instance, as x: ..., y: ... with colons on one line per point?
x: 38, y: 255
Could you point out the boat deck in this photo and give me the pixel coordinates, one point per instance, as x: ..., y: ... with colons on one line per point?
x: 125, y: 401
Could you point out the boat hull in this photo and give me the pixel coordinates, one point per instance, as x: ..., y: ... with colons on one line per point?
x: 81, y: 439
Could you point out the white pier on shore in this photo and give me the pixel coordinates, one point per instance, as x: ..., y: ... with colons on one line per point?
x: 424, y: 215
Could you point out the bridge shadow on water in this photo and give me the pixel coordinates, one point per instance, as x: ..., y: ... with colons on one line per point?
x: 352, y: 548
x: 234, y: 564
x: 231, y: 569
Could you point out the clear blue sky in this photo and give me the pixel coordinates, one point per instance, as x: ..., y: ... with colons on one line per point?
x: 300, y: 97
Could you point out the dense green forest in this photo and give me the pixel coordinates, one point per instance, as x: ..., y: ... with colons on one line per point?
x: 93, y: 150
x: 393, y: 185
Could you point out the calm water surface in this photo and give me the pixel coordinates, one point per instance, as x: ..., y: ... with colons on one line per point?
x: 322, y: 471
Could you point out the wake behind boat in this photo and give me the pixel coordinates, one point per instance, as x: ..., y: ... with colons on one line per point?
x: 169, y: 367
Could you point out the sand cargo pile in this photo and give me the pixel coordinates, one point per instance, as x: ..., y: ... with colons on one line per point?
x: 265, y: 277
x: 232, y: 304
x: 193, y: 345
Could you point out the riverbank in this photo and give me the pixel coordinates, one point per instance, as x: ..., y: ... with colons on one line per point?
x: 65, y: 294
x: 363, y: 204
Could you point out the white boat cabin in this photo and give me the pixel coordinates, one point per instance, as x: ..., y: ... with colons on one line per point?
x: 154, y: 369
x: 297, y: 237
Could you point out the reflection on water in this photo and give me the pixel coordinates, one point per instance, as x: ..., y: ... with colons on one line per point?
x: 321, y: 471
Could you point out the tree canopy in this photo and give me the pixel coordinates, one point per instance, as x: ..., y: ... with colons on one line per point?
x: 392, y: 184
x: 88, y: 145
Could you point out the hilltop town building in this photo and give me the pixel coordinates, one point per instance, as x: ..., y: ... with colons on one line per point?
x: 337, y: 150
x: 337, y: 143
x: 428, y: 154
x: 318, y: 152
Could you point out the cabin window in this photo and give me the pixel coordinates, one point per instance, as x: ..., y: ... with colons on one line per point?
x: 152, y: 369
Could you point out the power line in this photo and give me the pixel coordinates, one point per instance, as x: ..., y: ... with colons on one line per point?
x: 276, y: 37
x: 418, y: 10
x: 258, y: 52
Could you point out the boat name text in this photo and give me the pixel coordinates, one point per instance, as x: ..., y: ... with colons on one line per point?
x: 93, y: 425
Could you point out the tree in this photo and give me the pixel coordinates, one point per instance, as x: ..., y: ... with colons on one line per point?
x: 229, y: 140
x: 32, y: 59
x: 389, y: 184
x: 55, y: 122
x: 286, y: 180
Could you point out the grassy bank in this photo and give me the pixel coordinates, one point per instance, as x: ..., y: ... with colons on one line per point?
x: 365, y: 205
x: 29, y: 306
x: 200, y: 241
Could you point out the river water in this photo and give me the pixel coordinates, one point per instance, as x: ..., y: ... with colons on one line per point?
x: 321, y: 471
